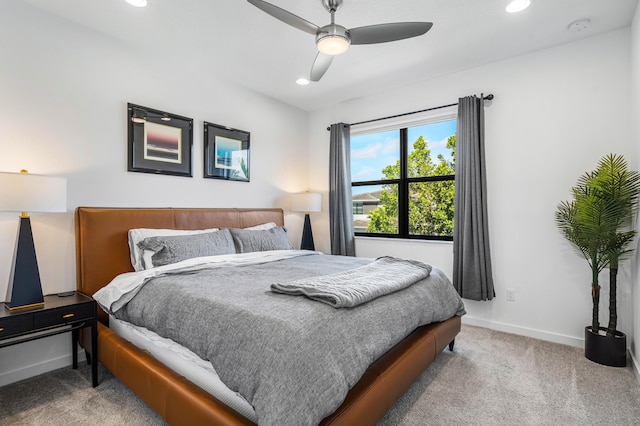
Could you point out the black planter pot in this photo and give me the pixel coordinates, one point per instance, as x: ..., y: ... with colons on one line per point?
x: 605, y: 350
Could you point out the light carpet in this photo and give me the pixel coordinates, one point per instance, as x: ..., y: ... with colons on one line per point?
x: 491, y: 378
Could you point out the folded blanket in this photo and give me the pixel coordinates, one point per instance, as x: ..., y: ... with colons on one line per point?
x: 351, y: 288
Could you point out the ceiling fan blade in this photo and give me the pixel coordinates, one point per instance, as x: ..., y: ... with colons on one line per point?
x: 320, y: 66
x: 388, y: 32
x: 286, y: 17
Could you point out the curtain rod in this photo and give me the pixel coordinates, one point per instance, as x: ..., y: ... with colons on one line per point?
x: 489, y: 97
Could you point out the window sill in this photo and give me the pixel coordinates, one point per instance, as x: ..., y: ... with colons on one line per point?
x: 403, y: 240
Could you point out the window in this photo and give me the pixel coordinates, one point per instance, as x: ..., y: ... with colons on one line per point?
x: 403, y: 181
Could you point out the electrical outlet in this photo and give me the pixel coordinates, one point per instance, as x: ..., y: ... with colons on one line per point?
x: 511, y: 295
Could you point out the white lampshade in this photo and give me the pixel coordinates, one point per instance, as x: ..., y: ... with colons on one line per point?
x: 306, y: 202
x: 24, y: 192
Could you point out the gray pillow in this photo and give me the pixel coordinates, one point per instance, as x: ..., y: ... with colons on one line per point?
x: 175, y: 248
x: 247, y: 241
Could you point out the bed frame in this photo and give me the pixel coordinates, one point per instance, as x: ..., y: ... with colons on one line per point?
x: 102, y: 252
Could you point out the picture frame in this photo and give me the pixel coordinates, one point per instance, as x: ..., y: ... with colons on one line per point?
x: 226, y: 153
x: 159, y: 142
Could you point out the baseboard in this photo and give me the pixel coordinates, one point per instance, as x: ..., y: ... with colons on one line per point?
x: 523, y: 331
x: 634, y: 365
x: 37, y: 369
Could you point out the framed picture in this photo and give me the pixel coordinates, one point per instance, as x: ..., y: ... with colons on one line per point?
x: 159, y: 142
x: 226, y: 153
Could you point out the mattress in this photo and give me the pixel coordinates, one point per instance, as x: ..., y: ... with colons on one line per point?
x: 184, y: 362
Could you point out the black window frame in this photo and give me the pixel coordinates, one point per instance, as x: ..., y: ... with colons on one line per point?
x: 403, y: 194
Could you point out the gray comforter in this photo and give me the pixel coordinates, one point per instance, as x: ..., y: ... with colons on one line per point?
x: 292, y: 358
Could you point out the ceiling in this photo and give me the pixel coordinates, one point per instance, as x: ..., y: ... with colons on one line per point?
x: 241, y: 44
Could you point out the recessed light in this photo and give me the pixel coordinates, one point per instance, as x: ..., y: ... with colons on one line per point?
x: 137, y: 3
x: 302, y: 81
x: 518, y: 6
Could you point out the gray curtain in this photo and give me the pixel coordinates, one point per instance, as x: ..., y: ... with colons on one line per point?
x: 340, y: 202
x: 472, y: 275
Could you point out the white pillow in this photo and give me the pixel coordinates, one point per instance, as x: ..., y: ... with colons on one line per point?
x: 262, y: 227
x: 139, y: 234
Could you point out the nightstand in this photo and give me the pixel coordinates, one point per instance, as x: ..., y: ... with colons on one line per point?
x: 60, y: 314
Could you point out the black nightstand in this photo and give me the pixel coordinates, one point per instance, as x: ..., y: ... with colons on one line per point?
x: 60, y: 314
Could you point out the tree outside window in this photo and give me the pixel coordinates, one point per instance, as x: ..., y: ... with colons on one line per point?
x: 412, y: 191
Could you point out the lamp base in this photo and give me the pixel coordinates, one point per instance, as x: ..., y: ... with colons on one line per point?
x: 19, y: 308
x: 25, y: 289
x: 307, y: 235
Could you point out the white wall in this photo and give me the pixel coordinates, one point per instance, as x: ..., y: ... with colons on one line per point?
x: 635, y: 113
x: 64, y: 91
x: 556, y: 113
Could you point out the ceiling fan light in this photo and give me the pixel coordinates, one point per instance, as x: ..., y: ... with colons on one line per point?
x: 333, y: 45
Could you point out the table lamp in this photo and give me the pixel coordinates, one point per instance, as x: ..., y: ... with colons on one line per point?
x: 24, y: 192
x: 306, y: 202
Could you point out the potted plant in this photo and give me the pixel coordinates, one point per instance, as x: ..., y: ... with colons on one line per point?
x: 596, y: 222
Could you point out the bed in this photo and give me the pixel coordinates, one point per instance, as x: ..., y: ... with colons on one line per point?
x: 102, y: 253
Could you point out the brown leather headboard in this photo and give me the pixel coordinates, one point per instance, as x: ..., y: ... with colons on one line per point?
x: 102, y: 248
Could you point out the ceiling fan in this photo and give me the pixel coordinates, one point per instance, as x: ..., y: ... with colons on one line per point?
x: 334, y: 39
